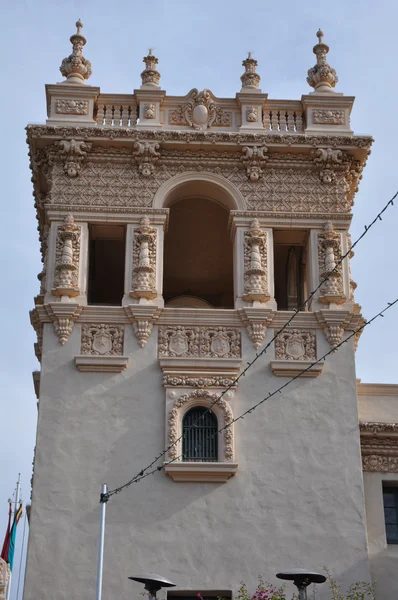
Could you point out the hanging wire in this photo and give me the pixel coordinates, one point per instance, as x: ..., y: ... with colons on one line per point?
x: 139, y: 475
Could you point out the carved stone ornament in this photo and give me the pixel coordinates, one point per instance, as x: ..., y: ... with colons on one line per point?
x: 255, y: 264
x: 102, y: 340
x: 379, y: 447
x: 250, y: 79
x: 149, y: 111
x: 144, y: 261
x: 142, y: 330
x: 73, y: 153
x: 75, y: 67
x: 328, y: 160
x: 200, y: 112
x: 322, y: 77
x: 252, y: 114
x: 38, y: 327
x: 67, y: 256
x: 254, y: 157
x: 146, y: 154
x: 71, y: 107
x: 328, y: 117
x: 42, y: 276
x: 295, y: 344
x: 353, y: 284
x: 329, y: 252
x: 188, y: 380
x: 150, y: 76
x: 4, y: 577
x: 200, y: 342
x: 63, y: 317
x: 203, y: 398
x: 142, y: 316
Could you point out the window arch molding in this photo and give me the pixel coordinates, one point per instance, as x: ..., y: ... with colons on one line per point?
x: 212, y: 186
x: 221, y: 410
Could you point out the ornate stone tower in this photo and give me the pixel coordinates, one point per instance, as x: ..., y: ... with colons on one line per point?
x: 178, y: 235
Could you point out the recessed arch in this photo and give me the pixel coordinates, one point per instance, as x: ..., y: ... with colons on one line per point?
x: 199, y: 183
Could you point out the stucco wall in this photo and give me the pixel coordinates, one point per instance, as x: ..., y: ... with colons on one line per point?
x: 378, y: 403
x: 297, y: 499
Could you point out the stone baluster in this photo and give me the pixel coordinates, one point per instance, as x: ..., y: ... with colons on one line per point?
x: 255, y: 260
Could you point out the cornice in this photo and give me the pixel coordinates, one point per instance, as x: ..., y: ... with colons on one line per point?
x: 377, y: 389
x: 375, y: 428
x: 379, y: 446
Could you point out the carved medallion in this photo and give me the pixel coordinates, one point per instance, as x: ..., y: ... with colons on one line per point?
x: 220, y: 344
x: 178, y: 343
x: 102, y: 342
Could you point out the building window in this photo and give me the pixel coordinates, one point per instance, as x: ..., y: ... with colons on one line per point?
x: 200, y: 440
x: 390, y: 500
x: 106, y: 264
x: 289, y: 268
x: 198, y: 256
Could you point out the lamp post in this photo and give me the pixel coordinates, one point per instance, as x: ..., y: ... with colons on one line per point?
x: 153, y: 583
x: 302, y: 578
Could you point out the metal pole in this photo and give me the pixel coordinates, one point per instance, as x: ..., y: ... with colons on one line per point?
x: 104, y: 489
x: 17, y: 494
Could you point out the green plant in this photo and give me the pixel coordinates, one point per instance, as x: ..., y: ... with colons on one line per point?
x: 360, y: 590
x: 264, y: 591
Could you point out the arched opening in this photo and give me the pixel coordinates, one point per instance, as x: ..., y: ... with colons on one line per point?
x: 198, y: 255
x: 199, y: 435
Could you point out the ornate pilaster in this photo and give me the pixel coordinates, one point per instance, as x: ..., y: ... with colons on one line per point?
x: 329, y: 250
x: 66, y: 276
x: 254, y: 157
x: 255, y: 264
x: 144, y: 261
x: 75, y: 67
x: 322, y: 77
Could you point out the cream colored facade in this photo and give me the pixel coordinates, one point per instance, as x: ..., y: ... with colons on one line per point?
x: 178, y: 236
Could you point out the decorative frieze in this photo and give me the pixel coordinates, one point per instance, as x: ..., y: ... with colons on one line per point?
x: 379, y: 447
x: 199, y: 342
x: 102, y: 340
x: 329, y: 253
x: 254, y: 157
x: 205, y: 398
x: 73, y: 154
x: 188, y: 380
x: 200, y: 112
x: 144, y: 261
x: 146, y: 154
x: 67, y: 256
x: 71, y: 107
x: 328, y: 117
x: 295, y: 344
x: 255, y: 264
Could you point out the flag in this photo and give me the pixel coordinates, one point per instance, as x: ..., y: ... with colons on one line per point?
x: 13, y: 536
x: 6, y: 543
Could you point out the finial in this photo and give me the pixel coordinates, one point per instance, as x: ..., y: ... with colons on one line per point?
x: 322, y: 77
x: 75, y: 67
x: 250, y: 79
x: 150, y: 76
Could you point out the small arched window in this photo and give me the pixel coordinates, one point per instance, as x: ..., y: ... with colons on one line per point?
x: 200, y: 439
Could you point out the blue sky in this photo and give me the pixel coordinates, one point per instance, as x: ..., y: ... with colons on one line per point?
x: 199, y: 44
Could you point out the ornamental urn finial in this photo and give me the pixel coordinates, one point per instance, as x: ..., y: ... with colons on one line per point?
x: 150, y: 76
x: 75, y: 67
x: 322, y: 77
x: 250, y: 79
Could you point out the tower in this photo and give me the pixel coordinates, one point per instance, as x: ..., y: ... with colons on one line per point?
x: 178, y: 236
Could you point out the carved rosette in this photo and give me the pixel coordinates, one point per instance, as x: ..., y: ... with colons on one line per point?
x: 255, y: 264
x: 250, y: 79
x: 146, y: 154
x: 329, y: 251
x: 75, y: 67
x: 199, y: 342
x: 200, y: 112
x: 102, y: 340
x: 254, y: 158
x: 295, y: 344
x: 71, y: 107
x: 203, y: 398
x: 144, y: 261
x: 328, y: 117
x: 66, y: 276
x: 322, y: 77
x: 73, y: 153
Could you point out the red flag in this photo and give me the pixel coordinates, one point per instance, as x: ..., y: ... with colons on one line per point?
x: 7, y: 539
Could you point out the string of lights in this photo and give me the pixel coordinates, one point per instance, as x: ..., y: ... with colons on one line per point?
x: 260, y: 402
x: 367, y: 228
